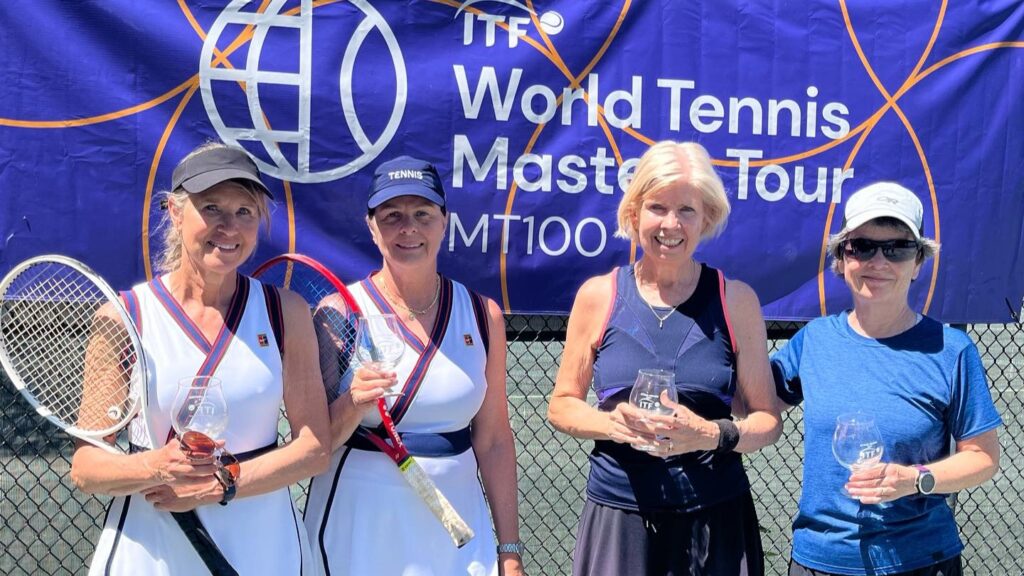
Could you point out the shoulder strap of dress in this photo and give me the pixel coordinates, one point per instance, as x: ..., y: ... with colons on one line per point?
x: 275, y: 314
x: 725, y: 310
x: 480, y: 313
x: 131, y: 303
x: 613, y: 294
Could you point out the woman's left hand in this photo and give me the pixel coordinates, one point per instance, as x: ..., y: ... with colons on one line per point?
x: 681, y: 432
x: 510, y: 565
x: 184, y: 496
x: 882, y: 483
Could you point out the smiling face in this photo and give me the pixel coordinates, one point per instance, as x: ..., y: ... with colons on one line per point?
x: 219, y: 227
x: 878, y: 280
x: 670, y: 221
x: 408, y: 230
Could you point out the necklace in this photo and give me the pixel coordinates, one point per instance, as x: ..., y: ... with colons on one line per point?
x: 661, y: 319
x: 412, y: 312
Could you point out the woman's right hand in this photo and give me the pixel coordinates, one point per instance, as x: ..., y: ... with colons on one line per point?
x: 369, y: 384
x: 626, y: 425
x: 169, y: 464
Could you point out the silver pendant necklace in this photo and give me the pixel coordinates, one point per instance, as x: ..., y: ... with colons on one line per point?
x: 661, y: 319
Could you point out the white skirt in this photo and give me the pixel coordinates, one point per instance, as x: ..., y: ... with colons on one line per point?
x: 257, y: 535
x: 364, y: 519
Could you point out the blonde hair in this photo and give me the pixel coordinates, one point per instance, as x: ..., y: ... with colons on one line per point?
x: 169, y: 256
x: 666, y: 164
x: 836, y: 243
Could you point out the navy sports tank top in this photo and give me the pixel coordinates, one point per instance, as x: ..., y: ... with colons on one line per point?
x: 695, y: 344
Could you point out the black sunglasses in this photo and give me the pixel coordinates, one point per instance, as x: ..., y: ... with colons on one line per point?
x: 863, y: 249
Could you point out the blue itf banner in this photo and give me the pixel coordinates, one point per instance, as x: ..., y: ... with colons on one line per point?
x: 535, y: 113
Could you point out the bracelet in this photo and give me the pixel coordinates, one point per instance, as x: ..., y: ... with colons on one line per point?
x: 516, y: 547
x: 728, y: 435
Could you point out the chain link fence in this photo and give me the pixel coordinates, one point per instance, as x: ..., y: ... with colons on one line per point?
x: 50, y: 528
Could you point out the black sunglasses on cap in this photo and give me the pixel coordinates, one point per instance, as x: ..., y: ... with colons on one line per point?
x: 900, y: 250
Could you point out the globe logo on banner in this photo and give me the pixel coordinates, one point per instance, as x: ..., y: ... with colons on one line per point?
x: 283, y: 148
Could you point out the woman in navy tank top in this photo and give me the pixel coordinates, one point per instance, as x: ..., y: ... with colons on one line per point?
x: 684, y: 505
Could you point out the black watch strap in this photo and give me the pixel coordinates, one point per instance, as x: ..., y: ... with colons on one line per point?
x: 227, y: 482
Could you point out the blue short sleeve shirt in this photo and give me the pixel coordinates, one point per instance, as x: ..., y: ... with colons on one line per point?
x: 924, y: 387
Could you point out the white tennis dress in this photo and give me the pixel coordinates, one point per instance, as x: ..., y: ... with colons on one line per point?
x: 257, y: 535
x: 363, y: 518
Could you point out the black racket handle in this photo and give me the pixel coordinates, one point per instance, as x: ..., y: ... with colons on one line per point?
x: 203, y: 543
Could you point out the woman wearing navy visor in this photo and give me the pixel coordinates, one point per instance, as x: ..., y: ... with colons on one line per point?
x: 920, y: 383
x: 361, y: 515
x: 685, y: 507
x: 200, y: 317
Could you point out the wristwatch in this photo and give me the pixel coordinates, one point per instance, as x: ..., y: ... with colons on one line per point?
x: 227, y: 482
x: 925, y: 480
x: 516, y: 547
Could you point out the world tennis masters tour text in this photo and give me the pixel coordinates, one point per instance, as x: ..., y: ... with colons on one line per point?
x: 490, y: 96
x: 503, y: 97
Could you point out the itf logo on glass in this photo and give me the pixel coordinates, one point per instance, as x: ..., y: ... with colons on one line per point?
x: 286, y: 152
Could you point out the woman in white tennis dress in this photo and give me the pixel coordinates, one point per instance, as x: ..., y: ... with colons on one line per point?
x: 362, y: 517
x: 202, y: 318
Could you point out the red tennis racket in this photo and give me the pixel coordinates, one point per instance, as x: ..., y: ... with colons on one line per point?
x: 336, y: 319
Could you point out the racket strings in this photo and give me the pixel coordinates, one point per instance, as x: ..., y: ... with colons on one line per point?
x: 37, y: 325
x: 336, y: 327
x: 73, y: 357
x: 334, y: 320
x: 299, y: 278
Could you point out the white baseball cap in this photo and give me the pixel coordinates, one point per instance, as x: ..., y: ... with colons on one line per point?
x: 881, y: 200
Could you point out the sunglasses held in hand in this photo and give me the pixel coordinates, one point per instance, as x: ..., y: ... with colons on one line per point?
x: 864, y: 249
x: 199, y: 446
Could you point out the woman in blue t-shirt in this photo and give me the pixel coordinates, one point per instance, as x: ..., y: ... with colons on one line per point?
x: 921, y: 383
x: 684, y: 507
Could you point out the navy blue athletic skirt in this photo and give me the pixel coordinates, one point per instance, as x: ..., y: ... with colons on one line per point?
x: 722, y: 540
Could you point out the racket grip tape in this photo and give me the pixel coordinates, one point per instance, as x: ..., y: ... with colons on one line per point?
x: 456, y: 527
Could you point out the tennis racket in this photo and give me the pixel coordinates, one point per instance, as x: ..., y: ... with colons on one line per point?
x: 336, y: 319
x: 71, y: 349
